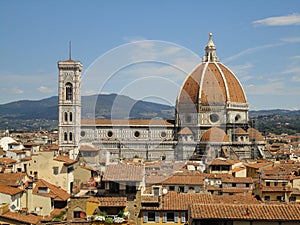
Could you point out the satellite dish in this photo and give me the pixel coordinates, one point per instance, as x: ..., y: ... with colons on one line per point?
x: 165, y: 191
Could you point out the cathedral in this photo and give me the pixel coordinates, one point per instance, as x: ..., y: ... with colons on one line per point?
x: 211, y: 120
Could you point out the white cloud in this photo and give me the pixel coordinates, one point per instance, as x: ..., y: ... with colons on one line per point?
x: 296, y: 57
x: 241, y: 69
x: 17, y: 91
x: 291, y: 39
x: 44, y: 89
x: 296, y: 78
x: 133, y: 38
x: 250, y: 50
x: 272, y: 89
x: 292, y: 70
x: 292, y: 19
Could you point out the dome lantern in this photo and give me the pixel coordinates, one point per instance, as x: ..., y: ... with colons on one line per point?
x: 210, y: 50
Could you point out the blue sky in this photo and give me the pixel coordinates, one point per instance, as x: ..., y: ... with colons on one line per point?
x: 145, y: 49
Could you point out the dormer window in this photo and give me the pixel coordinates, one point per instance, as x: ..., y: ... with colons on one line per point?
x: 43, y: 190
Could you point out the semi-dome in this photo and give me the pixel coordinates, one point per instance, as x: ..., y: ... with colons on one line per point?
x: 214, y: 134
x: 211, y: 83
x: 255, y: 135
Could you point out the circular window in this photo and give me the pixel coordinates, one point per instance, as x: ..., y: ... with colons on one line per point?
x: 110, y: 133
x: 137, y: 134
x: 82, y: 133
x: 163, y: 134
x: 237, y: 117
x: 214, y: 118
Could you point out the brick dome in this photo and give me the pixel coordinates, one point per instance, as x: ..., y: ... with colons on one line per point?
x: 255, y: 135
x: 214, y: 134
x: 211, y: 83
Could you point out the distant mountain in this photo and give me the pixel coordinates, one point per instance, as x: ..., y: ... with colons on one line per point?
x: 27, y: 114
x: 282, y: 112
x: 31, y: 115
x: 29, y: 109
x: 276, y: 121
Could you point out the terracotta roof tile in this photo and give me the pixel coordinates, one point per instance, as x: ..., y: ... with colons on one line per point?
x: 258, y: 165
x: 109, y: 201
x: 212, y: 84
x: 12, y: 179
x: 255, y: 135
x: 55, y: 192
x: 240, y: 131
x: 123, y: 172
x: 64, y: 159
x: 237, y: 169
x: 221, y: 162
x: 214, y: 134
x: 183, y: 178
x: 5, y: 189
x: 7, y: 161
x: 246, y: 212
x: 232, y: 179
x: 180, y: 201
x: 23, y: 219
x: 235, y: 199
x: 186, y: 131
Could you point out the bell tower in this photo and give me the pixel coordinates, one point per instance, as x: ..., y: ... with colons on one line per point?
x: 69, y: 106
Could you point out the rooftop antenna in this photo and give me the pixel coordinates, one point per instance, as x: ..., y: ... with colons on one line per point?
x: 70, y: 50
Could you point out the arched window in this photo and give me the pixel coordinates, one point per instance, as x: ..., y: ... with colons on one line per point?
x: 65, y: 136
x: 66, y: 116
x: 71, y: 116
x: 70, y: 136
x: 69, y: 91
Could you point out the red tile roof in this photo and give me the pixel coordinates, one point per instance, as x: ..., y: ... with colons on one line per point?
x: 185, y: 178
x: 235, y: 199
x: 186, y: 131
x: 109, y: 201
x: 123, y: 172
x: 179, y: 201
x: 7, y: 161
x: 22, y: 219
x: 11, y: 179
x: 64, y: 159
x: 55, y: 192
x: 217, y: 162
x: 240, y: 131
x: 214, y: 134
x: 246, y: 212
x: 5, y: 189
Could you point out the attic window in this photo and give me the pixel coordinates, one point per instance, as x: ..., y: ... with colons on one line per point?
x: 43, y: 190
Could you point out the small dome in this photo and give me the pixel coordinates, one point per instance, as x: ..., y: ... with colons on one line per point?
x: 185, y: 131
x: 214, y: 134
x: 240, y: 131
x: 211, y: 82
x: 255, y: 135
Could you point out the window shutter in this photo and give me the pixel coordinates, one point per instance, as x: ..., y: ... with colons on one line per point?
x: 145, y: 217
x: 176, y: 217
x: 164, y: 217
x: 183, y: 217
x: 157, y: 217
